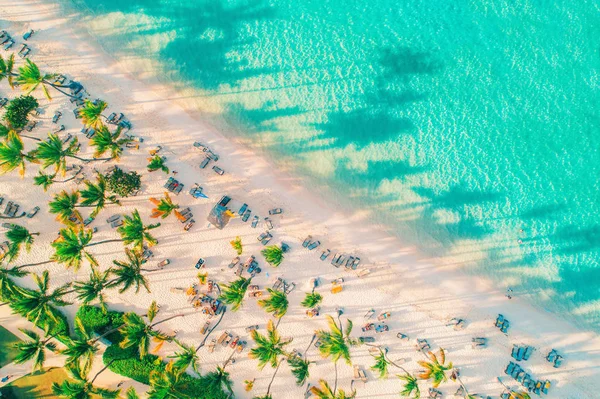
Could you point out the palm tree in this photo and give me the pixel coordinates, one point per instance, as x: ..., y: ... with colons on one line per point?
x: 18, y: 237
x: 435, y: 369
x: 7, y: 285
x: 133, y: 231
x: 104, y: 140
x: 6, y: 69
x: 167, y: 384
x: 299, y: 368
x: 80, y: 387
x: 268, y: 394
x: 137, y: 333
x: 236, y: 244
x: 64, y: 206
x: 91, y: 113
x: 80, y: 351
x: 218, y: 381
x: 53, y: 152
x: 157, y: 163
x: 411, y: 386
x: 96, y: 194
x: 70, y: 247
x: 39, y: 304
x: 30, y: 78
x: 277, y: 303
x: 268, y: 347
x: 234, y: 293
x: 131, y: 394
x: 273, y: 255
x: 12, y: 155
x: 185, y: 358
x: 311, y: 300
x: 129, y: 273
x: 164, y: 207
x: 324, y: 391
x: 46, y: 180
x: 93, y: 289
x: 6, y: 129
x: 33, y: 349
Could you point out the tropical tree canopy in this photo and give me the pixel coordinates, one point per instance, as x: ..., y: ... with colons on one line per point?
x: 234, y: 293
x: 96, y: 194
x: 64, y: 206
x: 299, y: 367
x: 411, y: 386
x: 236, y: 244
x: 18, y: 110
x: 18, y: 237
x: 137, y: 333
x: 79, y: 387
x: 273, y: 254
x: 93, y: 289
x: 70, y: 248
x: 164, y: 207
x: 53, y: 152
x: 268, y: 347
x: 6, y: 69
x: 91, y: 113
x: 7, y: 285
x: 104, y: 140
x: 218, y: 381
x: 33, y: 349
x: 277, y: 303
x: 311, y: 300
x: 186, y: 357
x: 38, y: 304
x: 133, y: 231
x: 324, y: 391
x: 121, y: 183
x: 44, y: 180
x: 167, y: 384
x: 336, y: 342
x: 381, y: 364
x: 157, y: 163
x: 12, y: 156
x: 129, y: 273
x: 80, y: 351
x: 435, y: 369
x: 30, y: 78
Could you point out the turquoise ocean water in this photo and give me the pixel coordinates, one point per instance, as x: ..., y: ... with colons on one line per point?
x: 472, y: 128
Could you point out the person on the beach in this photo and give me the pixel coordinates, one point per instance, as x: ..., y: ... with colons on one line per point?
x: 509, y: 293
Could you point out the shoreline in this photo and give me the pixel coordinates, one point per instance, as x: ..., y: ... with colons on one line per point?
x: 426, y: 297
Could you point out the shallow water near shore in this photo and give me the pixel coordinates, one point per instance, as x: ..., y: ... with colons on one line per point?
x: 471, y: 128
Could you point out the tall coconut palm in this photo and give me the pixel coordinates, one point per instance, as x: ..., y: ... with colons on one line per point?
x: 336, y: 343
x: 91, y: 113
x: 277, y: 303
x: 18, y: 237
x: 157, y: 163
x: 70, y: 248
x: 233, y: 294
x: 324, y: 391
x: 217, y: 382
x: 80, y: 387
x: 137, y: 333
x: 96, y: 195
x: 311, y: 300
x: 300, y: 368
x: 167, y: 384
x: 273, y: 255
x: 131, y: 394
x: 53, y: 152
x: 435, y: 368
x: 80, y: 351
x: 268, y: 394
x: 46, y: 180
x: 410, y: 387
x: 7, y: 285
x: 12, y: 155
x: 6, y: 69
x: 64, y: 206
x: 268, y: 347
x: 93, y: 289
x: 37, y: 304
x: 104, y: 140
x: 133, y: 231
x: 164, y: 207
x: 30, y: 78
x: 129, y: 273
x: 33, y: 349
x: 6, y: 129
x: 186, y: 357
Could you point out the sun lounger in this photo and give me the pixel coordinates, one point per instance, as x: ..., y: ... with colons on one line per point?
x: 275, y: 211
x: 247, y: 216
x: 204, y: 163
x: 517, y: 353
x: 384, y: 316
x: 33, y: 212
x: 187, y: 217
x: 314, y: 245
x: 113, y: 218
x: 29, y: 127
x: 200, y: 263
x: 218, y: 170
x: 402, y: 336
x: 255, y: 221
x: 268, y: 223
x: 434, y: 393
x: 528, y: 352
x: 234, y: 262
x: 9, y: 45
x: 111, y: 118
x: 60, y: 79
x: 307, y: 241
x: 289, y: 288
x: 116, y: 223
x: 4, y: 38
x: 267, y: 239
x: 3, y: 102
x: 505, y: 326
x: 28, y: 34
x: 499, y: 321
x: 325, y: 254
x: 163, y: 263
x: 25, y: 50
x: 189, y: 225
x: 242, y: 209
x: 422, y: 345
x: 56, y: 116
x: 59, y: 129
x: 90, y: 133
x: 545, y: 386
x: 335, y: 259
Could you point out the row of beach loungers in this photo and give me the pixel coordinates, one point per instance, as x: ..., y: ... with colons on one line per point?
x: 250, y: 266
x: 524, y: 378
x: 521, y: 352
x: 11, y: 209
x: 502, y: 323
x: 209, y: 156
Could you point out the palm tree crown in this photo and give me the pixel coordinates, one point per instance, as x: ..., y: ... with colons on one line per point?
x: 104, y: 140
x: 137, y: 333
x: 277, y: 303
x: 324, y: 391
x: 64, y: 207
x: 157, y: 163
x: 30, y: 78
x: 129, y: 273
x: 96, y: 194
x: 12, y: 155
x: 234, y: 293
x: 186, y: 357
x: 53, y: 152
x: 133, y: 231
x: 167, y: 384
x: 39, y: 304
x: 33, y: 349
x: 7, y: 285
x: 273, y: 255
x: 93, y: 289
x: 435, y: 369
x: 336, y: 342
x: 311, y: 300
x: 80, y: 387
x: 91, y: 113
x: 164, y: 207
x: 6, y: 69
x: 81, y: 350
x: 70, y: 248
x: 268, y: 347
x: 18, y: 237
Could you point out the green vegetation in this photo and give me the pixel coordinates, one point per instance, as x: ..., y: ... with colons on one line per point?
x: 106, y: 141
x: 18, y: 110
x: 8, y: 352
x: 311, y: 300
x: 273, y: 255
x: 121, y: 183
x: 233, y: 294
x: 277, y: 303
x: 164, y: 207
x: 35, y: 385
x: 157, y: 163
x: 236, y: 244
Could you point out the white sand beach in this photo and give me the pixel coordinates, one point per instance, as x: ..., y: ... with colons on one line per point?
x: 421, y: 296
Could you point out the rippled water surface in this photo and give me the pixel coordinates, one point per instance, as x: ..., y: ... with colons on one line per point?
x: 471, y: 127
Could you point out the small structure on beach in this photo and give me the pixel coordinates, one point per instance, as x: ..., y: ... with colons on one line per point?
x: 220, y: 215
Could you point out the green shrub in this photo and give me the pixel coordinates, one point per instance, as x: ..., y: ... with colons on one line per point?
x: 18, y: 110
x: 100, y: 322
x: 122, y: 183
x: 127, y: 362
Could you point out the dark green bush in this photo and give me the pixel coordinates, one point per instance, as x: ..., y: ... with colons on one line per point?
x: 122, y: 183
x: 100, y: 322
x: 127, y: 362
x: 18, y: 110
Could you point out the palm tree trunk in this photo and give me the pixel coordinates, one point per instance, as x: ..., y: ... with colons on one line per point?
x: 101, y: 371
x: 309, y: 345
x: 57, y: 87
x: 29, y: 137
x: 14, y: 217
x: 88, y: 159
x: 167, y: 319
x: 34, y: 264
x: 229, y: 358
x: 278, y: 321
x: 211, y: 330
x: 336, y: 378
x: 104, y: 242
x: 273, y: 378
